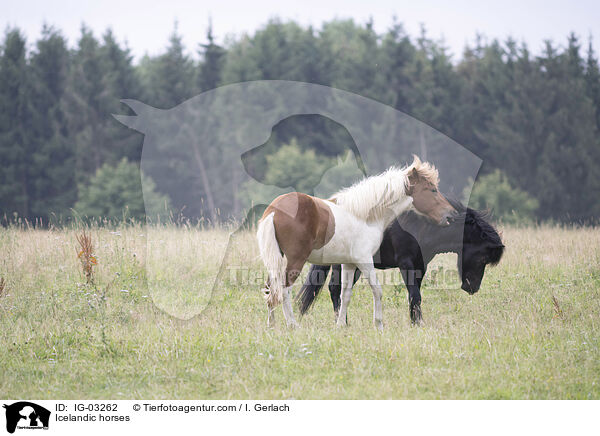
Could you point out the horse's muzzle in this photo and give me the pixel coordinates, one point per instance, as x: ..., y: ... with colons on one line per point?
x: 469, y: 288
x: 446, y: 219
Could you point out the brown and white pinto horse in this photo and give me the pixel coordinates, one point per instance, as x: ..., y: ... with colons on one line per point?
x: 346, y: 229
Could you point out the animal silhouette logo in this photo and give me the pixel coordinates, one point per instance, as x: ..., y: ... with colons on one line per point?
x: 204, y: 154
x: 26, y: 415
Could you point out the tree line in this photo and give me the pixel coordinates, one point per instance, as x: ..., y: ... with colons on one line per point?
x: 534, y: 119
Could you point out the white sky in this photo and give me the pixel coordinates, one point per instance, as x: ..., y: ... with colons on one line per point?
x: 146, y: 25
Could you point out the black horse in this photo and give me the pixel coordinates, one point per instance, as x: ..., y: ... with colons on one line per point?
x: 410, y: 243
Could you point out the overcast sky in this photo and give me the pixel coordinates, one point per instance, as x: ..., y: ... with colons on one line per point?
x: 146, y: 25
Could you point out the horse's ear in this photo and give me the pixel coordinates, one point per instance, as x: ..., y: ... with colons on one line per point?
x: 413, y: 174
x: 416, y: 161
x: 413, y: 178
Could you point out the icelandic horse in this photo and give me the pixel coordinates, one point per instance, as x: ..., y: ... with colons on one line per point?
x: 345, y: 229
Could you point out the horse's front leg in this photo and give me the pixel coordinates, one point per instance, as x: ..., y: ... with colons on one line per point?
x: 413, y: 276
x: 369, y: 271
x: 347, y: 281
x: 335, y: 288
x: 414, y: 304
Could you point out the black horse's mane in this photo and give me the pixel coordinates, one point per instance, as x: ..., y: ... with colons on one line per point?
x: 487, y: 231
x: 478, y: 231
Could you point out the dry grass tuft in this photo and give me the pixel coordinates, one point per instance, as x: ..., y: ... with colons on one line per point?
x: 557, y: 309
x: 2, y: 286
x: 86, y: 255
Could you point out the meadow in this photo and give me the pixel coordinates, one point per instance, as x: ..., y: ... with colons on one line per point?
x: 532, y: 331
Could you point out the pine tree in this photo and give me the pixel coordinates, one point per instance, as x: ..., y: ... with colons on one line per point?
x: 543, y: 139
x: 396, y: 57
x: 15, y: 117
x: 119, y: 81
x: 592, y: 78
x: 486, y: 80
x: 101, y: 75
x: 84, y: 106
x: 350, y: 57
x: 53, y: 167
x: 211, y: 67
x: 571, y: 119
x: 169, y: 78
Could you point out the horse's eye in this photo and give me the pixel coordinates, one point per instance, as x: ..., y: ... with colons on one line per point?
x: 434, y: 190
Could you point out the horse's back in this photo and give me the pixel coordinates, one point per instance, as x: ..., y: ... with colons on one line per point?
x: 302, y: 223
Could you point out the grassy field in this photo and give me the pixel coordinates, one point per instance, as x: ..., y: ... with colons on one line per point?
x: 63, y: 338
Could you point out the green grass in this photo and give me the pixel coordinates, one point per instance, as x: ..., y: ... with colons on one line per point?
x: 62, y: 338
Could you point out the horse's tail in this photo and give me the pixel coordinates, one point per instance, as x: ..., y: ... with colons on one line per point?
x: 273, y: 259
x: 312, y: 286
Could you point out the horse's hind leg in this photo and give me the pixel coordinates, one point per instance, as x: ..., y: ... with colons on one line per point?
x: 270, y: 304
x: 270, y: 315
x: 293, y: 271
x: 288, y: 312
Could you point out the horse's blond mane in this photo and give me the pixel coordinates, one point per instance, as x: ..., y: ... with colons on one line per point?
x: 425, y: 170
x: 370, y: 198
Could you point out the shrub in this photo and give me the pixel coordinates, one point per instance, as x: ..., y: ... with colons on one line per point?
x: 115, y: 192
x: 509, y: 204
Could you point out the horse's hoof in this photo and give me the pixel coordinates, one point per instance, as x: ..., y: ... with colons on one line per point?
x: 417, y: 322
x: 378, y: 325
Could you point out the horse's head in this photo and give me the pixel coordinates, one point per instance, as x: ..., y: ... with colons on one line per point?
x: 423, y: 183
x: 482, y: 246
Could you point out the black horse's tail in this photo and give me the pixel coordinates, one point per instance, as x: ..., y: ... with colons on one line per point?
x: 312, y: 286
